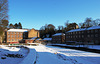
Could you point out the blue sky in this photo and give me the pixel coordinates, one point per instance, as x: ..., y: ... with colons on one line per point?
x: 37, y: 13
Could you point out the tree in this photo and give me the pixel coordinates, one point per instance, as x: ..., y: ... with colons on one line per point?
x: 19, y: 26
x: 48, y: 29
x: 90, y: 22
x: 3, y: 10
x: 51, y: 29
x: 3, y: 17
x: 70, y: 26
x: 60, y: 29
x: 96, y: 22
x: 16, y: 25
x: 67, y: 23
x: 4, y: 23
x: 11, y: 26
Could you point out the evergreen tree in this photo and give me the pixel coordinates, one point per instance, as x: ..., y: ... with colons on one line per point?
x: 20, y: 25
x: 16, y: 26
x: 11, y: 26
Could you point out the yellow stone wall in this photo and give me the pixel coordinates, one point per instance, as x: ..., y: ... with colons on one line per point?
x: 33, y: 33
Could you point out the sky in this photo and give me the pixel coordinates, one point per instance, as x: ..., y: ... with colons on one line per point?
x: 37, y: 13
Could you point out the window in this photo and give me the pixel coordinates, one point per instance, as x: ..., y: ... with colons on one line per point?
x: 66, y: 37
x: 15, y: 32
x: 12, y: 32
x: 18, y: 32
x: 24, y: 36
x: 8, y: 35
x: 71, y: 36
x: 76, y: 32
x: 12, y: 39
x: 15, y: 39
x: 96, y: 30
x: 12, y: 36
x: 91, y: 31
x: 79, y: 32
x: 8, y: 39
x: 82, y: 36
x: 18, y: 36
x: 88, y: 31
x: 88, y: 35
x: 91, y: 35
x: 79, y: 36
x: 15, y: 36
x: 8, y: 32
x: 96, y: 35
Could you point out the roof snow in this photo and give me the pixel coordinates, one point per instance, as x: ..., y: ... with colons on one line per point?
x: 17, y: 30
x: 33, y: 38
x: 39, y: 39
x: 90, y: 28
x: 77, y: 30
x: 47, y: 39
x: 94, y: 27
x: 58, y: 34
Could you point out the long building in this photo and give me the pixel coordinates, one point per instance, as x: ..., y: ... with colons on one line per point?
x: 20, y: 35
x: 89, y: 35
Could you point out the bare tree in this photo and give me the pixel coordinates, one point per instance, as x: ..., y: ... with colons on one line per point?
x: 89, y: 22
x: 96, y: 22
x: 67, y: 23
x: 3, y: 17
x: 60, y: 27
x: 3, y: 10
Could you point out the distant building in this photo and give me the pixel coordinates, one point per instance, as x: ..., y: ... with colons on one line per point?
x: 89, y: 35
x: 33, y: 33
x: 20, y: 35
x: 38, y: 40
x: 31, y: 40
x: 47, y: 39
x: 58, y: 38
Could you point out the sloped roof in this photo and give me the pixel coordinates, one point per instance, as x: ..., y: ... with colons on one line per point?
x: 33, y: 38
x: 82, y: 29
x: 94, y: 27
x: 58, y: 34
x: 47, y: 39
x: 75, y: 30
x: 17, y: 30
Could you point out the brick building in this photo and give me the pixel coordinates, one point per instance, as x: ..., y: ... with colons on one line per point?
x: 83, y: 36
x: 20, y: 35
x: 58, y: 38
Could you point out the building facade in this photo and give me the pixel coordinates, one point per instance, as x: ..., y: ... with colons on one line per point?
x: 58, y: 38
x: 83, y: 36
x: 20, y: 35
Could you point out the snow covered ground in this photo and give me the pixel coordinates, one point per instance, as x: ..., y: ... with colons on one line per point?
x: 12, y: 55
x: 88, y: 46
x: 57, y: 55
x: 49, y: 55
